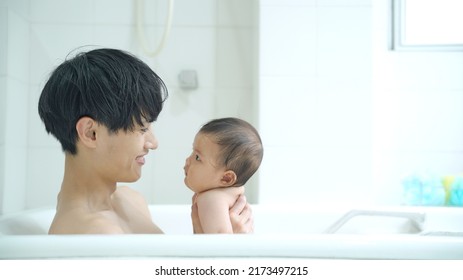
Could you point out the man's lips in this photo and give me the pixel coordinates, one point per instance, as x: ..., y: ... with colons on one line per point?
x: 140, y: 159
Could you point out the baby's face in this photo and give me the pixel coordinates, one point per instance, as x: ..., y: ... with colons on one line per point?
x: 202, y: 172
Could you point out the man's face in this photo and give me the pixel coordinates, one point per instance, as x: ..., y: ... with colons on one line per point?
x: 123, y: 153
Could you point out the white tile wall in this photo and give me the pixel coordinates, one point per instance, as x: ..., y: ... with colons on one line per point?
x: 288, y: 41
x: 334, y: 120
x: 3, y: 76
x: 417, y: 108
x: 19, y: 7
x: 14, y: 90
x: 237, y: 13
x: 234, y: 102
x: 45, y: 56
x: 233, y: 51
x: 18, y: 45
x: 3, y: 86
x: 439, y: 70
x: 289, y: 117
x: 191, y: 108
x: 15, y: 156
x: 62, y: 12
x: 343, y: 3
x: 169, y: 164
x: 362, y: 117
x: 122, y: 37
x: 288, y: 3
x: 120, y: 12
x: 45, y: 167
x: 3, y: 100
x: 14, y: 184
x: 189, y: 48
x: 3, y: 96
x: 2, y: 178
x: 190, y: 13
x: 4, y: 40
x: 16, y: 113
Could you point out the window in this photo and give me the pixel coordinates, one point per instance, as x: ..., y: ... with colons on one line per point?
x: 427, y: 25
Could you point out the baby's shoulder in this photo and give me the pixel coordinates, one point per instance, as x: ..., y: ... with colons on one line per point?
x: 125, y: 190
x: 229, y: 194
x: 234, y: 191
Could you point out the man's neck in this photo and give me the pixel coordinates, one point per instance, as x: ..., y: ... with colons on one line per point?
x: 81, y: 185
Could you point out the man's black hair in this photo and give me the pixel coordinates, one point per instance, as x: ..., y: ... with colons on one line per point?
x: 111, y: 86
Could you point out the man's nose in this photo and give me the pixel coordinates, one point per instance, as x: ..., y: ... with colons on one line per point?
x: 151, y: 142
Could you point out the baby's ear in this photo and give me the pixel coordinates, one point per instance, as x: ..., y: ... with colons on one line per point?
x: 86, y: 130
x: 228, y: 178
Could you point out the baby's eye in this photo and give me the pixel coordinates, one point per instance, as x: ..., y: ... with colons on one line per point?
x: 145, y: 129
x: 197, y: 158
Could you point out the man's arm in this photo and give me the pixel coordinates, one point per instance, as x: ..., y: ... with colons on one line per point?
x: 197, y: 229
x: 241, y: 216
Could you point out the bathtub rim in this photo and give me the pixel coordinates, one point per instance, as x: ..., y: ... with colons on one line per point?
x: 183, y: 225
x: 315, y: 246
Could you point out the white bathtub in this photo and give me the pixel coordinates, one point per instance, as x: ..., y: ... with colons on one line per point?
x: 296, y: 232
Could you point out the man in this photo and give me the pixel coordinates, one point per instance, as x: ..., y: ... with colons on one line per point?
x: 100, y: 106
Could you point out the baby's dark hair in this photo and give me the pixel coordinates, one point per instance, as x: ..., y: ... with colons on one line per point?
x: 111, y: 86
x: 241, y: 148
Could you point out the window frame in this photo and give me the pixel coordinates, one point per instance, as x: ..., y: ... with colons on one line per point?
x: 398, y: 33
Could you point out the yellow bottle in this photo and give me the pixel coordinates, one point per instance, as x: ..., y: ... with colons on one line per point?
x: 447, y: 182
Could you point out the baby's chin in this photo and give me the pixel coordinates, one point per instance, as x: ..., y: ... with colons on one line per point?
x: 188, y: 185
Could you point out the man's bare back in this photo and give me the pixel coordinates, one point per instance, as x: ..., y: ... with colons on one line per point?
x: 126, y: 212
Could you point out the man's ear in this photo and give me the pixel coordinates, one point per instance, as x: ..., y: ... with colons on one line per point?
x: 86, y: 131
x: 228, y: 178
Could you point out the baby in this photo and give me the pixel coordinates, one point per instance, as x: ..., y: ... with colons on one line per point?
x: 226, y: 153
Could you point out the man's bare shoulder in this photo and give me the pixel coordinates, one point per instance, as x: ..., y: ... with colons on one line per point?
x: 79, y: 222
x: 127, y: 212
x: 132, y: 208
x: 127, y: 193
x: 130, y: 201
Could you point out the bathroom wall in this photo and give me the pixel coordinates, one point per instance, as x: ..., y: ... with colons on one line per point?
x: 14, y: 88
x: 417, y: 111
x: 215, y: 38
x: 344, y: 117
x: 315, y: 101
